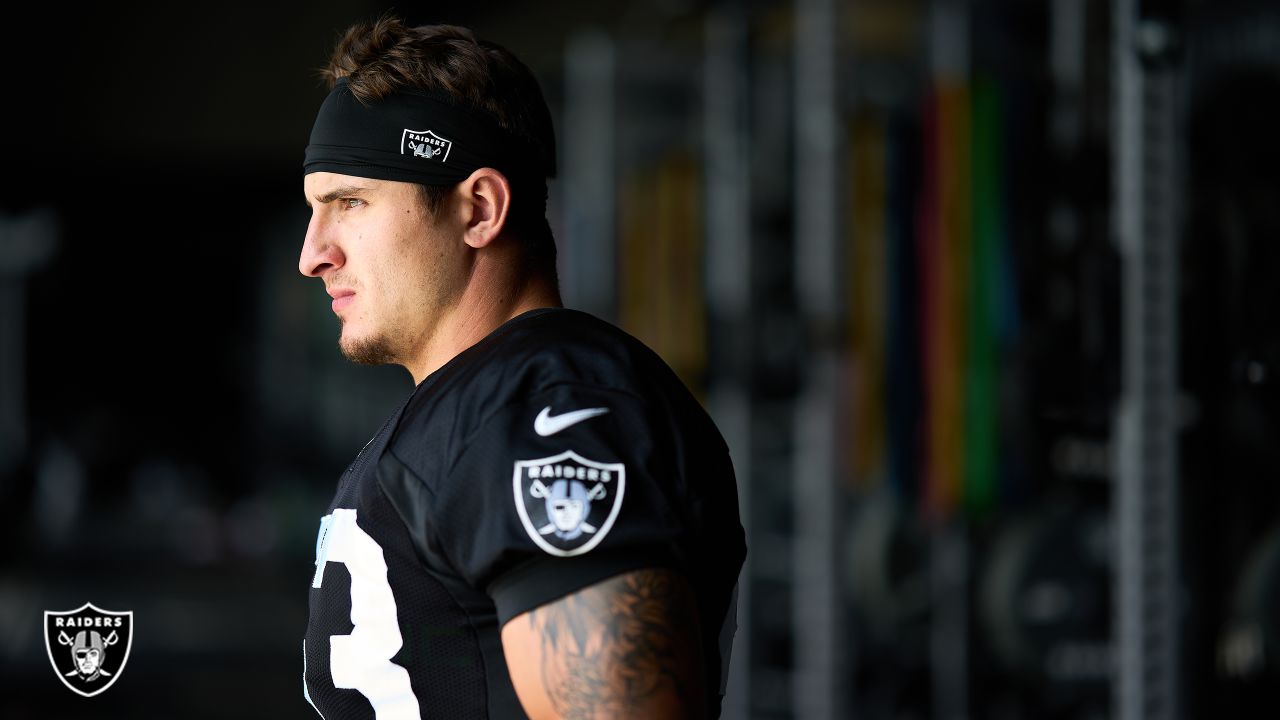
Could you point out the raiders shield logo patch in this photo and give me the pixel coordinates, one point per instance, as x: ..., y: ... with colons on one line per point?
x: 88, y: 646
x: 425, y: 144
x: 567, y: 502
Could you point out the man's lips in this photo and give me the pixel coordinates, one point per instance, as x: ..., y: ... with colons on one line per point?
x: 342, y: 298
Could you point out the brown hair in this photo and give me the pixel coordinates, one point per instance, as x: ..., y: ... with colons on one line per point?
x: 386, y: 56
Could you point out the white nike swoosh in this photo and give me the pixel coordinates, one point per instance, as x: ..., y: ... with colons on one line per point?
x: 545, y: 424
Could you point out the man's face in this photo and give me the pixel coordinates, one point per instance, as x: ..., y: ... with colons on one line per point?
x: 392, y: 269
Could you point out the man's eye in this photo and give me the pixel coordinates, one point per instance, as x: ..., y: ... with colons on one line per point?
x: 350, y: 203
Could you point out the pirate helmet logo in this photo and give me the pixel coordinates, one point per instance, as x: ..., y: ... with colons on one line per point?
x: 566, y: 502
x: 88, y: 646
x: 87, y: 649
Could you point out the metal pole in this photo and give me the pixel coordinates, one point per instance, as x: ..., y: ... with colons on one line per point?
x: 1145, y: 500
x: 815, y: 606
x: 726, y: 100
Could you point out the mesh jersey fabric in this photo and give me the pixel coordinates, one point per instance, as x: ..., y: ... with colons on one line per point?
x: 485, y: 495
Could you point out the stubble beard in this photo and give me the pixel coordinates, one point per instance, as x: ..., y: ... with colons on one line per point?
x: 376, y: 350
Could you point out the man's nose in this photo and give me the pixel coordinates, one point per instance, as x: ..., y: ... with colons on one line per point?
x: 320, y: 252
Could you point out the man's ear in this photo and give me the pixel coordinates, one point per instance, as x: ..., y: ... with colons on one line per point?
x: 486, y: 198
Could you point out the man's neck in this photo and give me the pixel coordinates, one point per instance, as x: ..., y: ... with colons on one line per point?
x: 482, y: 308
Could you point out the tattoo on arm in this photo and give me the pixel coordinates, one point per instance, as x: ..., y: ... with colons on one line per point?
x: 621, y: 647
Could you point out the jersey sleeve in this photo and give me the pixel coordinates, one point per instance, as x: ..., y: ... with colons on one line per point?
x: 559, y: 491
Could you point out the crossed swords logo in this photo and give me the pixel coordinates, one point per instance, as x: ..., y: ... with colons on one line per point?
x: 556, y: 496
x: 95, y: 639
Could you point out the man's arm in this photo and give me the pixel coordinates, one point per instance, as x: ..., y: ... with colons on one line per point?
x: 626, y: 647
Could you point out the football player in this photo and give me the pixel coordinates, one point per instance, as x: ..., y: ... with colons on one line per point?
x: 548, y: 525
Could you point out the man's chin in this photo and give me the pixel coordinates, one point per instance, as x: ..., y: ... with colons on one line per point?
x: 367, y: 351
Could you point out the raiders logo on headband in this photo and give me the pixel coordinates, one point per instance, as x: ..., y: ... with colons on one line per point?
x: 566, y: 502
x: 88, y: 646
x: 425, y: 144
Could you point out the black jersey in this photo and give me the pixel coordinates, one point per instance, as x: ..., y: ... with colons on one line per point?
x: 555, y: 453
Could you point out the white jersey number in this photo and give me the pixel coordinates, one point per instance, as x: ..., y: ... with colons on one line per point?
x: 362, y: 659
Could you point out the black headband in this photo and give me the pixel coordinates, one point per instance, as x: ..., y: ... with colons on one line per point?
x: 413, y: 137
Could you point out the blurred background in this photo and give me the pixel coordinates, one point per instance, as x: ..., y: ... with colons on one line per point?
x: 980, y: 292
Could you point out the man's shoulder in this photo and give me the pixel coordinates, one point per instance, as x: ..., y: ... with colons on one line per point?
x: 524, y: 358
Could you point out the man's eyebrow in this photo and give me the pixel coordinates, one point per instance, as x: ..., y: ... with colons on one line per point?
x: 334, y: 194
